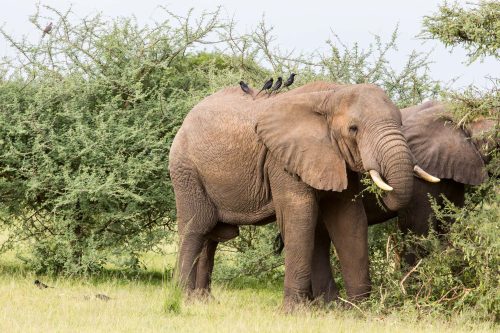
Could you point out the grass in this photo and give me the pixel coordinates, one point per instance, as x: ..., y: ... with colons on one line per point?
x: 138, y: 305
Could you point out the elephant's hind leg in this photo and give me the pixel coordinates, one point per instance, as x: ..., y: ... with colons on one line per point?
x: 196, y: 216
x: 221, y: 233
x: 205, y: 267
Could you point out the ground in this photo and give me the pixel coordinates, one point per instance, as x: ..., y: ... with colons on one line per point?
x: 137, y: 304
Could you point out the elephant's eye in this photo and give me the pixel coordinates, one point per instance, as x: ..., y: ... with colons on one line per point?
x: 353, y: 129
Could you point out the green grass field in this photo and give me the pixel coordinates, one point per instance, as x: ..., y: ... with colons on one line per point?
x: 137, y: 305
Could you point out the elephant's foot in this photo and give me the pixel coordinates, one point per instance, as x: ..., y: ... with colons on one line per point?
x: 296, y: 300
x: 326, y: 296
x: 358, y: 295
x: 199, y: 295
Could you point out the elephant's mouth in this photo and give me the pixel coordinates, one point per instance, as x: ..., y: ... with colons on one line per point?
x: 352, y: 156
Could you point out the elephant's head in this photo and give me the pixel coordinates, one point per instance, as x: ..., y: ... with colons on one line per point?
x: 316, y: 134
x: 445, y: 149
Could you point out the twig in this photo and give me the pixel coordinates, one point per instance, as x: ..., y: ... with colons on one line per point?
x: 387, y: 247
x: 354, y: 305
x: 407, y: 275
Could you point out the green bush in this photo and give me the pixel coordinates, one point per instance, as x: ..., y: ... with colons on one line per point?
x: 88, y: 115
x: 476, y: 28
x: 251, y: 256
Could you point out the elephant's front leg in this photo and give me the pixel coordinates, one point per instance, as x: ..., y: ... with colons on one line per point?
x: 346, y: 222
x: 298, y: 231
x: 296, y: 214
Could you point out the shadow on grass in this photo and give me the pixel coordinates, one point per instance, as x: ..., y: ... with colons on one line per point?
x: 146, y: 277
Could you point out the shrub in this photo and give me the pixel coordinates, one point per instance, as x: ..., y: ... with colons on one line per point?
x: 88, y: 115
x: 476, y: 28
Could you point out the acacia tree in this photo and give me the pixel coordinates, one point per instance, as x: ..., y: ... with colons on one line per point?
x: 87, y: 116
x: 477, y: 28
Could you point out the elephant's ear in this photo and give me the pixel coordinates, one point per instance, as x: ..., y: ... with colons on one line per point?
x: 295, y: 131
x: 441, y: 148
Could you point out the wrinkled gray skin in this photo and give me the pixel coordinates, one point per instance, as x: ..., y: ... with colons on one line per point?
x: 293, y: 157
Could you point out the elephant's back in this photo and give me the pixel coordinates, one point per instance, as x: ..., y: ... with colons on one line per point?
x: 217, y: 140
x: 411, y: 111
x: 213, y: 119
x: 223, y: 118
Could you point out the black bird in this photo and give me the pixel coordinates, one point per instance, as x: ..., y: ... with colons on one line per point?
x: 289, y: 81
x: 41, y: 285
x: 102, y: 297
x: 277, y: 85
x: 267, y: 86
x: 47, y: 29
x: 244, y: 87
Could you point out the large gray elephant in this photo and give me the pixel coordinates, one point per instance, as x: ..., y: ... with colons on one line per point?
x: 292, y: 158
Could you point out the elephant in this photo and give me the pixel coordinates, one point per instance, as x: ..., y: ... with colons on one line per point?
x: 294, y: 158
x: 457, y: 155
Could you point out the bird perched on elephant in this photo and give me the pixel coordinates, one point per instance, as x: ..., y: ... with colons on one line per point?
x: 293, y: 159
x: 267, y: 85
x: 289, y: 81
x: 245, y: 88
x: 277, y: 85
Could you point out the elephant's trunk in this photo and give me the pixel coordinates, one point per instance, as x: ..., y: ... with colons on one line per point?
x: 388, y: 154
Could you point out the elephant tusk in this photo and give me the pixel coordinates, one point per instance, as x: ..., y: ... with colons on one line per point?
x: 378, y: 180
x: 419, y: 172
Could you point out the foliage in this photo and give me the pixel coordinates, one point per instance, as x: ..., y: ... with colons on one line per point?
x: 473, y: 103
x: 477, y: 28
x: 353, y: 64
x: 369, y: 186
x: 88, y: 115
x: 252, y: 255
